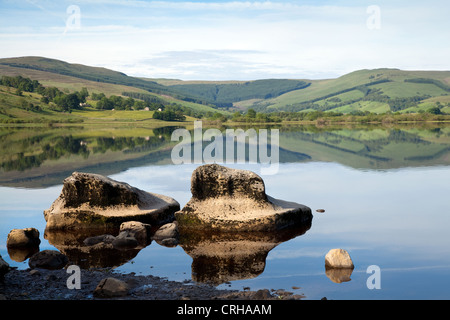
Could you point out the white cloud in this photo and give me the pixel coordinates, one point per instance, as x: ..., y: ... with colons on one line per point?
x: 288, y: 39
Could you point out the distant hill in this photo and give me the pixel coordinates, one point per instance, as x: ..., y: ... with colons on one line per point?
x: 96, y: 74
x: 225, y: 94
x: 82, y: 71
x: 377, y: 91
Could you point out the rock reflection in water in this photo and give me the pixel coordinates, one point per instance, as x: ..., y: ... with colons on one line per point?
x: 222, y: 257
x: 339, y: 275
x: 217, y: 257
x: 101, y: 255
x: 22, y: 254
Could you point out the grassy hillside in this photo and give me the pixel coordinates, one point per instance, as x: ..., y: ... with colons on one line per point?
x: 14, y: 107
x: 83, y: 72
x: 377, y: 91
x: 96, y: 74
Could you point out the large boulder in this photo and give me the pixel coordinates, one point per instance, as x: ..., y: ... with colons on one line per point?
x: 235, y: 200
x: 94, y: 201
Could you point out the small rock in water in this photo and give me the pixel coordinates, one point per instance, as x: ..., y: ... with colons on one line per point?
x: 338, y: 258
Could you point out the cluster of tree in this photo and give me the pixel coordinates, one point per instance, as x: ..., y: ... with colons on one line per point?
x: 121, y: 103
x: 149, y: 98
x: 62, y: 101
x: 170, y: 113
x: 20, y: 83
x: 68, y: 102
x: 252, y: 116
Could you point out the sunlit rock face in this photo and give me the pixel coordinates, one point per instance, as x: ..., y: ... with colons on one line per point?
x: 94, y: 201
x: 235, y: 200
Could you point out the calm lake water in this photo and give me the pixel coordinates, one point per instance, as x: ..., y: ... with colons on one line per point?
x: 384, y: 191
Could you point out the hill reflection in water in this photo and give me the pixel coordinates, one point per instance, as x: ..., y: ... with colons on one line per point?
x: 37, y: 157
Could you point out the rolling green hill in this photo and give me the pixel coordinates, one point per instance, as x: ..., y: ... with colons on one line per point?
x: 96, y: 74
x: 375, y: 91
x: 28, y: 107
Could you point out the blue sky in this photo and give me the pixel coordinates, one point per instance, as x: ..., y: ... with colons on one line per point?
x: 231, y: 40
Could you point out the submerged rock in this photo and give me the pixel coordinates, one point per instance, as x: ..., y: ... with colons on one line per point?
x: 94, y: 201
x: 167, y: 231
x: 138, y: 230
x: 235, y: 200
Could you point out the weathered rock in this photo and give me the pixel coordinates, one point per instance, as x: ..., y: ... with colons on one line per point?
x: 48, y: 259
x: 169, y: 230
x: 140, y: 231
x: 19, y: 238
x: 111, y: 287
x: 339, y: 259
x: 94, y: 201
x: 235, y: 200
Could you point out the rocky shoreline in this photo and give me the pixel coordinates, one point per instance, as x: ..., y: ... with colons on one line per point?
x: 43, y: 284
x: 228, y: 227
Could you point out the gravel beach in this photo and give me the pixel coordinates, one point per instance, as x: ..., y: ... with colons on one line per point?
x: 43, y: 284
